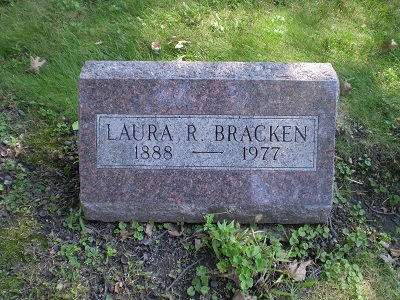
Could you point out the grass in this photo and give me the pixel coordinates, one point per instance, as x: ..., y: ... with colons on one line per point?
x: 346, y: 33
x: 379, y: 282
x: 38, y: 110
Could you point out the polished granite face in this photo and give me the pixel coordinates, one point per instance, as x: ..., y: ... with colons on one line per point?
x: 174, y: 141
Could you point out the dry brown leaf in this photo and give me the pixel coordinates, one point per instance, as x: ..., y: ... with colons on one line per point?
x: 18, y: 149
x: 169, y: 296
x: 156, y: 47
x: 292, y: 268
x: 123, y: 235
x: 395, y: 252
x: 143, y: 294
x: 60, y: 286
x: 35, y: 65
x: 389, y: 46
x: 117, y: 286
x: 5, y: 153
x: 258, y: 218
x: 345, y: 87
x: 124, y: 259
x: 239, y: 295
x: 232, y: 275
x: 197, y: 244
x: 387, y: 258
x: 298, y: 271
x: 175, y: 230
x: 149, y: 230
x: 181, y: 44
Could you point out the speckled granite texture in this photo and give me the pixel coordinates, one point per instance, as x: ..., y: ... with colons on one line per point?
x: 199, y: 88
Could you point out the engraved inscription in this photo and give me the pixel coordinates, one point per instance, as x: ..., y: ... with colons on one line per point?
x: 207, y: 142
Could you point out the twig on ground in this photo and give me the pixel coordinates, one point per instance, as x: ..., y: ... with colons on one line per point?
x: 380, y: 212
x: 331, y: 227
x: 183, y: 273
x: 105, y: 286
x: 152, y: 239
x: 355, y: 181
x: 316, y: 271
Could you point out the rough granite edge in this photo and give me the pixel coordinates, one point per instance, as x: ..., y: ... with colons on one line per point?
x: 296, y: 214
x: 96, y: 70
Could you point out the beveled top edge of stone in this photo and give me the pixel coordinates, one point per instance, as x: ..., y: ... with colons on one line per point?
x: 208, y: 70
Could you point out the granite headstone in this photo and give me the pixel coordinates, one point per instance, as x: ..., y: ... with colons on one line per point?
x: 174, y: 141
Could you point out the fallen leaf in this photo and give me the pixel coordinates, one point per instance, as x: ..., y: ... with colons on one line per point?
x: 387, y: 258
x: 258, y: 218
x: 169, y: 296
x: 395, y: 252
x: 298, y: 271
x: 197, y: 243
x: 292, y: 268
x: 124, y: 259
x: 175, y: 230
x: 60, y: 286
x: 143, y: 294
x: 155, y: 46
x: 149, y: 230
x: 75, y: 126
x: 123, y: 235
x: 99, y: 43
x: 232, y: 275
x: 17, y: 149
x: 345, y: 87
x: 389, y: 46
x: 5, y: 153
x: 239, y: 295
x: 117, y: 286
x: 181, y: 44
x: 385, y: 245
x: 35, y: 65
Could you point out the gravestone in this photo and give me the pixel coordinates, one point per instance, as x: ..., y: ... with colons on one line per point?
x: 174, y: 141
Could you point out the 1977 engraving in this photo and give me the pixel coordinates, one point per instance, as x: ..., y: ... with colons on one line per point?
x: 207, y: 142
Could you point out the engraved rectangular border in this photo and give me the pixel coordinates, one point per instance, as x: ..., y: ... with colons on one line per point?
x: 228, y: 117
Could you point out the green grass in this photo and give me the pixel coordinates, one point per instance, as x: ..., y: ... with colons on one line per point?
x: 346, y: 33
x: 380, y: 281
x: 67, y: 33
x: 20, y: 250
